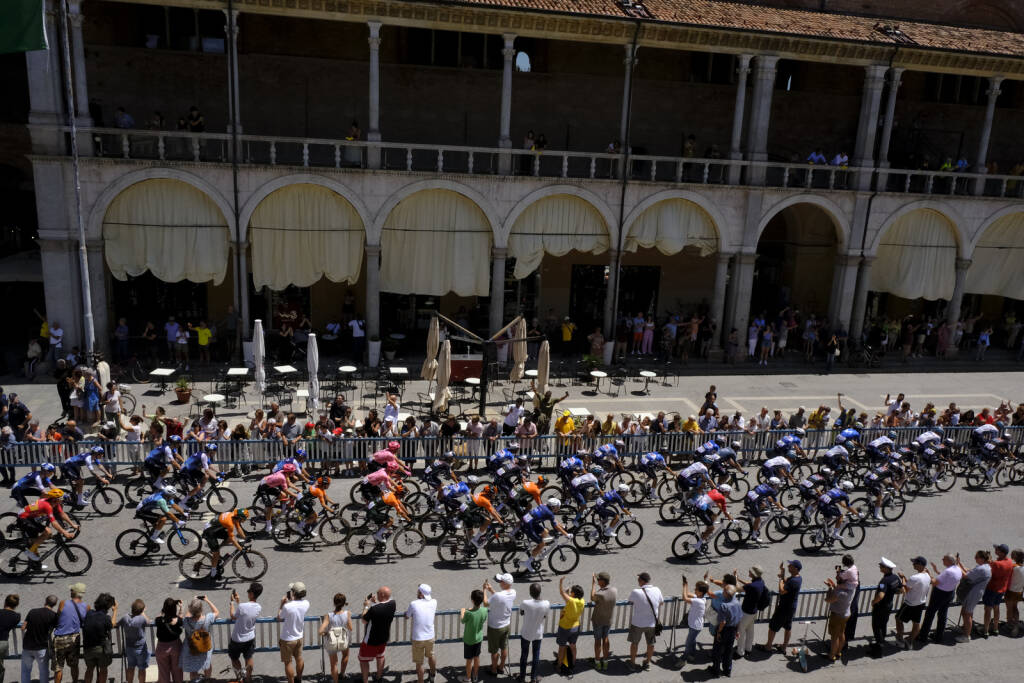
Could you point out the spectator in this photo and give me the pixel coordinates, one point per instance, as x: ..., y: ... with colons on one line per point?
x: 943, y: 586
x: 136, y: 647
x: 9, y: 620
x: 473, y: 621
x: 193, y: 662
x: 97, y: 648
x: 603, y: 596
x: 694, y: 616
x: 816, y: 157
x: 730, y: 613
x: 243, y: 632
x: 881, y: 605
x: 35, y: 639
x: 378, y: 613
x: 337, y: 626
x: 915, y: 593
x: 645, y: 601
x: 785, y: 605
x: 499, y: 617
x: 1002, y: 569
x: 849, y: 575
x: 569, y: 624
x: 123, y: 119
x: 421, y: 611
x: 838, y: 598
x: 291, y: 615
x: 67, y: 636
x: 168, y: 642
x: 1015, y: 592
x: 976, y: 581
x: 753, y: 593
x: 513, y: 413
x: 531, y: 632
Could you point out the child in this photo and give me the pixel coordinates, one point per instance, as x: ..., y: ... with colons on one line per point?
x: 473, y: 621
x: 695, y: 617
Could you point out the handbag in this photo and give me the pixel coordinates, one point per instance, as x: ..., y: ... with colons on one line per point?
x: 337, y: 639
x: 658, y: 628
x: 200, y: 642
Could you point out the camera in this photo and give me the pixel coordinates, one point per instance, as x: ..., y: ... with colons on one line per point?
x: 200, y: 597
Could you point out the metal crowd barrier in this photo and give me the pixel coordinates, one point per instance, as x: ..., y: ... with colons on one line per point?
x: 677, y: 445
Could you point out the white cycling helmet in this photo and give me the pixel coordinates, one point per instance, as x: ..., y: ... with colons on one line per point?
x: 554, y: 503
x: 774, y: 481
x: 736, y: 445
x: 622, y: 488
x: 800, y: 431
x: 472, y: 479
x: 846, y: 485
x: 725, y: 488
x: 825, y: 472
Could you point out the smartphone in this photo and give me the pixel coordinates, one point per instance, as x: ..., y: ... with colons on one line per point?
x: 200, y: 597
x: 369, y: 596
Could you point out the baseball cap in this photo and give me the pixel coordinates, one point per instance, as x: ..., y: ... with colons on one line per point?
x: 796, y: 563
x: 297, y: 587
x: 756, y: 570
x: 886, y: 562
x: 424, y: 590
x: 919, y: 560
x: 604, y: 576
x: 77, y: 589
x: 503, y: 578
x: 644, y: 576
x: 1003, y: 548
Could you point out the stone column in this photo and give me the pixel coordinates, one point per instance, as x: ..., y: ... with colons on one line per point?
x: 986, y: 131
x: 860, y: 298
x: 59, y: 261
x: 46, y: 91
x: 504, y: 137
x: 608, y: 328
x: 98, y: 291
x: 717, y: 311
x: 843, y: 289
x: 738, y: 112
x: 895, y: 74
x: 497, y: 288
x: 953, y: 310
x: 76, y: 19
x: 372, y: 290
x: 231, y: 33
x: 243, y: 284
x: 760, y: 115
x: 373, y: 134
x: 629, y: 62
x: 864, y: 149
x: 744, y: 281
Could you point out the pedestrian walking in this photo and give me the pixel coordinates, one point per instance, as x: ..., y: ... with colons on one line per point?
x: 242, y: 645
x: 944, y: 585
x: 168, y: 642
x: 474, y: 623
x: 643, y: 622
x: 785, y: 605
x: 697, y: 602
x: 603, y: 596
x: 754, y: 593
x: 136, y: 646
x: 881, y: 605
x: 336, y: 632
x: 500, y: 605
x: 915, y: 594
x: 197, y: 652
x: 730, y: 613
x: 35, y: 638
x: 421, y: 613
x: 378, y: 613
x: 531, y: 632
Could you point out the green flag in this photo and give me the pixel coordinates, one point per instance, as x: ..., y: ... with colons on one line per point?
x: 22, y: 27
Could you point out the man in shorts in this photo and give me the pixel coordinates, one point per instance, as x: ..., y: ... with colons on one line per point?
x: 421, y: 612
x: 243, y: 633
x: 292, y: 613
x: 603, y: 596
x: 67, y: 635
x: 378, y: 613
x: 500, y: 605
x: 646, y: 599
x: 915, y: 595
x: 839, y: 597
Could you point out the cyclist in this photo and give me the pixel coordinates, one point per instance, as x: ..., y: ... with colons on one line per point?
x: 650, y: 464
x: 985, y: 433
x: 778, y: 466
x: 728, y: 457
x: 991, y: 456
x: 932, y: 436
x: 880, y: 448
x: 33, y: 484
x: 527, y: 497
x: 299, y: 460
x: 755, y: 502
x: 480, y: 515
x: 836, y: 458
x: 703, y: 508
x: 161, y: 460
x: 811, y: 487
x: 608, y: 455
x: 876, y: 481
x: 196, y: 471
x: 274, y: 488
x: 693, y: 476
x: 377, y: 511
x: 570, y: 467
x: 71, y: 470
x: 510, y: 476
x: 155, y: 509
x: 500, y: 458
x: 387, y: 458
x: 306, y: 504
x: 609, y: 505
x: 451, y: 495
x: 849, y: 437
x: 710, y: 447
x: 718, y: 463
x: 829, y: 502
x: 584, y: 486
x: 37, y: 522
x: 376, y: 482
x: 790, y: 442
x: 225, y: 527
x: 533, y: 526
x: 435, y: 474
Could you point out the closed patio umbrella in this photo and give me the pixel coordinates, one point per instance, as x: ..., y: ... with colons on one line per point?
x: 543, y: 367
x: 519, y: 352
x: 259, y: 373
x: 313, y: 366
x: 444, y: 372
x: 430, y: 364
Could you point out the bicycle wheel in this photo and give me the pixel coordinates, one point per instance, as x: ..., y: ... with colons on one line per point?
x: 812, y: 539
x: 791, y: 497
x: 408, y: 542
x: 671, y: 510
x: 333, y: 531
x: 250, y: 565
x: 629, y: 533
x: 196, y: 567
x: 12, y: 562
x: 587, y: 536
x: 551, y: 492
x: 563, y: 559
x: 106, y: 501
x: 286, y: 533
x: 1002, y: 476
x: 667, y: 488
x: 8, y: 527
x: 433, y: 529
x: 510, y: 563
x: 452, y: 550
x: 945, y: 481
x: 136, y: 489
x: 777, y: 528
x: 684, y: 546
x: 894, y: 508
x: 132, y: 544
x: 417, y: 505
x: 740, y: 488
x: 73, y: 559
x: 128, y: 404
x: 353, y: 492
x: 975, y: 479
x: 187, y: 544
x: 913, y: 487
x: 729, y: 541
x: 637, y: 492
x: 354, y: 514
x: 139, y: 374
x: 221, y: 499
x: 361, y: 544
x: 852, y: 536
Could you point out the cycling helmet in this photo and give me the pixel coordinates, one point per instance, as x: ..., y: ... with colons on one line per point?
x: 175, y: 438
x: 300, y: 453
x: 210, y: 446
x: 448, y: 456
x: 554, y: 503
x: 54, y: 494
x: 720, y: 441
x: 622, y: 488
x: 97, y: 450
x: 892, y: 435
x: 1008, y: 436
x: 725, y: 488
x: 736, y: 445
x: 826, y: 472
x: 47, y: 467
x: 394, y: 446
x: 582, y: 454
x: 774, y: 481
x: 472, y: 479
x: 840, y: 439
x: 513, y: 447
x: 243, y: 513
x: 949, y: 442
x: 619, y: 443
x: 288, y: 468
x: 522, y: 457
x: 323, y: 482
x: 846, y: 485
x: 939, y: 430
x: 170, y: 492
x: 597, y: 471
x: 800, y: 431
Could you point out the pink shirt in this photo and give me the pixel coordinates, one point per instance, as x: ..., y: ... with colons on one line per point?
x: 276, y: 480
x: 377, y: 478
x: 384, y: 457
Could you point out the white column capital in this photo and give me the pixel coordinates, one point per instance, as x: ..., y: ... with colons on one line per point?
x: 231, y: 21
x: 874, y: 75
x: 993, y: 86
x: 765, y: 65
x: 509, y: 39
x: 724, y: 256
x: 374, y: 39
x: 630, y: 58
x: 743, y: 63
x: 508, y: 53
x: 895, y: 74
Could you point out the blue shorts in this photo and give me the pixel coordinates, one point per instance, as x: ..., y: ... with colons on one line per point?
x: 136, y: 656
x: 605, y: 511
x: 533, y: 531
x: 830, y: 511
x: 71, y: 472
x: 991, y: 598
x: 754, y: 509
x: 684, y: 484
x: 601, y: 632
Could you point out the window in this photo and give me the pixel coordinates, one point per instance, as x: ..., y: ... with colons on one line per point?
x: 707, y: 67
x: 786, y: 75
x: 428, y: 47
x: 957, y: 89
x: 179, y: 28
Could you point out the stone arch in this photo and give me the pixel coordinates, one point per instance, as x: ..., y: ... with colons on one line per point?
x: 948, y: 212
x: 985, y: 225
x: 831, y: 209
x: 717, y: 219
x: 373, y: 233
x: 265, y: 190
x: 501, y: 238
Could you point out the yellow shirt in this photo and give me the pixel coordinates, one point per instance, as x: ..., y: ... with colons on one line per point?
x: 815, y: 419
x: 691, y: 426
x: 571, y: 613
x: 567, y: 330
x: 203, y: 334
x: 564, y: 425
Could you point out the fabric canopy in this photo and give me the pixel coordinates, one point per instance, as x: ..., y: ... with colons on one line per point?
x: 670, y: 226
x: 435, y: 242
x: 996, y: 263
x: 169, y: 228
x: 303, y: 232
x: 917, y: 257
x: 555, y: 225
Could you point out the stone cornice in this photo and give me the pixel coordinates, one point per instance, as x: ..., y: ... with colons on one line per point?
x: 603, y: 29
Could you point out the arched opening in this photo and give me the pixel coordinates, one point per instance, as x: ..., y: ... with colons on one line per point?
x: 796, y: 256
x: 435, y: 256
x: 555, y: 265
x: 994, y: 288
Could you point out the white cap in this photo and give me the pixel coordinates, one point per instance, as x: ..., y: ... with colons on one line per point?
x: 424, y: 590
x: 503, y: 578
x: 886, y: 562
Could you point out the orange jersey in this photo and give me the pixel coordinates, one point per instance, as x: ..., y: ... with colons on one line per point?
x: 227, y: 521
x: 319, y: 494
x: 534, y: 490
x: 390, y: 498
x: 480, y: 500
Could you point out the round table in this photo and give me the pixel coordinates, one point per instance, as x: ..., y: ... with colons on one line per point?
x: 598, y: 375
x: 531, y: 373
x: 397, y: 336
x: 648, y: 376
x: 347, y: 368
x: 473, y: 380
x: 213, y: 400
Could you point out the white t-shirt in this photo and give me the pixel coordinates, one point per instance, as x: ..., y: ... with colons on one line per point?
x: 56, y: 336
x: 917, y: 589
x: 499, y: 608
x: 695, y: 618
x: 357, y: 328
x: 133, y: 433
x: 113, y: 402
x: 513, y: 414
x: 643, y: 616
x: 292, y: 614
x: 246, y: 615
x: 531, y: 626
x: 1017, y: 580
x: 421, y: 611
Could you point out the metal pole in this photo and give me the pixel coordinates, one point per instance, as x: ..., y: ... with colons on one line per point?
x: 241, y: 283
x: 83, y: 255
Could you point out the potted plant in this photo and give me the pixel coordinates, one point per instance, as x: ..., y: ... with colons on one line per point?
x: 390, y: 348
x: 373, y: 351
x: 183, y: 390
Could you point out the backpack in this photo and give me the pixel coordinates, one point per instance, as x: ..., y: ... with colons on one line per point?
x: 337, y: 639
x: 200, y: 642
x: 765, y: 601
